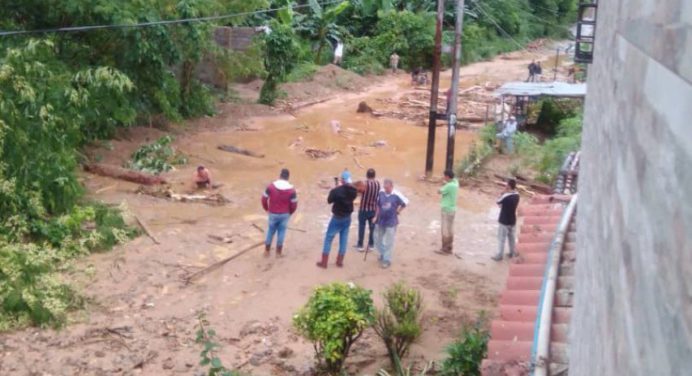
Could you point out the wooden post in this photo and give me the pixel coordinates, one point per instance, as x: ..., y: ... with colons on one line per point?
x: 434, y: 91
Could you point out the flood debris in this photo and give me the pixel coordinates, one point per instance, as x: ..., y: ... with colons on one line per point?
x: 315, y: 153
x: 196, y: 275
x: 166, y: 193
x: 116, y: 172
x: 363, y: 107
x: 241, y: 151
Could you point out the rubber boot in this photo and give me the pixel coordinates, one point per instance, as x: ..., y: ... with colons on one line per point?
x: 267, y: 248
x: 279, y: 249
x: 323, y: 264
x: 340, y: 261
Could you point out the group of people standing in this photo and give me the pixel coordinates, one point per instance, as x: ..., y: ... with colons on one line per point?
x: 535, y: 71
x: 379, y: 211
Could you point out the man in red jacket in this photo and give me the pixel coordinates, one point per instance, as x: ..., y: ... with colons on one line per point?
x: 280, y: 201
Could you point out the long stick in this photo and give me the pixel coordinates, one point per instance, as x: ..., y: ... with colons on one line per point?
x: 146, y: 230
x: 219, y: 264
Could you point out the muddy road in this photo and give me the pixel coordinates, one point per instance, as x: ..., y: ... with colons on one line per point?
x: 140, y: 317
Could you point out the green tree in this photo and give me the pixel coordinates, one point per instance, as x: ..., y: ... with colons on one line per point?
x: 281, y: 56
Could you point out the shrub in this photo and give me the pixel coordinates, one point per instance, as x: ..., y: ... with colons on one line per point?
x: 469, y: 165
x: 156, y: 157
x: 464, y: 356
x: 399, y: 322
x: 334, y: 318
x: 281, y: 56
x: 302, y: 72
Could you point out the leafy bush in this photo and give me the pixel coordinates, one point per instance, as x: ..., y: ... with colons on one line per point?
x: 478, y: 153
x: 157, y: 157
x: 399, y: 322
x: 334, y: 318
x: 547, y: 158
x: 363, y: 57
x: 302, y: 72
x: 464, y: 356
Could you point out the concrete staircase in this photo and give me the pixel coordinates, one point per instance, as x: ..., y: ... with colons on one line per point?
x: 512, y: 331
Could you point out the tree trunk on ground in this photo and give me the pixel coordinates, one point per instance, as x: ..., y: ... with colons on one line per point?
x: 123, y: 174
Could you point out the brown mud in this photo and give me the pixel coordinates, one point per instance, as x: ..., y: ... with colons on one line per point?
x: 141, y: 318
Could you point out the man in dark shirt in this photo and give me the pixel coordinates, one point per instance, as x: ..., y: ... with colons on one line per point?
x: 341, y: 198
x: 508, y: 202
x: 368, y: 207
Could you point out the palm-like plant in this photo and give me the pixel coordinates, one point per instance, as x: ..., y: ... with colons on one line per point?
x: 321, y: 24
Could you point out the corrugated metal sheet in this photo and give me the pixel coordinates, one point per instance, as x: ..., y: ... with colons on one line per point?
x: 552, y: 89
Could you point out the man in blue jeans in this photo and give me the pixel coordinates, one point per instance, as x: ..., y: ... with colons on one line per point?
x: 280, y: 201
x: 368, y: 207
x: 341, y: 198
x: 389, y: 205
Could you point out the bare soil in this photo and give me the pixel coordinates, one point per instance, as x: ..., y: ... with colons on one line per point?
x: 141, y: 318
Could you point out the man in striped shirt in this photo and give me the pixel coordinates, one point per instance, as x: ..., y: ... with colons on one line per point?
x: 368, y: 207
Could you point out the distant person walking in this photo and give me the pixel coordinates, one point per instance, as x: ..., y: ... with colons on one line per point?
x: 448, y: 203
x: 538, y: 72
x: 280, y: 201
x: 389, y: 206
x: 508, y: 202
x: 368, y: 209
x: 338, y: 53
x: 394, y: 62
x: 532, y: 72
x: 507, y: 134
x: 341, y: 198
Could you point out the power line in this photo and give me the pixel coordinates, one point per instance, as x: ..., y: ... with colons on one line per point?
x: 154, y: 23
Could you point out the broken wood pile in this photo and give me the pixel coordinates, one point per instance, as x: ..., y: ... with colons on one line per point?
x: 315, y: 153
x: 241, y: 151
x: 116, y: 172
x: 214, y: 199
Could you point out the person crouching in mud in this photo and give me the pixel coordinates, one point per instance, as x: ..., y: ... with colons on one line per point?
x: 202, y: 177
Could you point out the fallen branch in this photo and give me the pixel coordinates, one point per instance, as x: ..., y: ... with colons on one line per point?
x: 116, y: 172
x: 355, y: 159
x: 189, y: 279
x: 237, y: 150
x: 146, y: 230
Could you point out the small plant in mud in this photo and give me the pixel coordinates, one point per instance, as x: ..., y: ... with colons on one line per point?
x: 400, y: 371
x: 399, y: 322
x: 157, y: 157
x: 208, y: 356
x: 464, y: 356
x: 333, y: 319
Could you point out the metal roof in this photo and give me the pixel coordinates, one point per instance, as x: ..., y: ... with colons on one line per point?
x: 552, y: 89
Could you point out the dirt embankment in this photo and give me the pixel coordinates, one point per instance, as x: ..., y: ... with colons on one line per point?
x: 141, y: 316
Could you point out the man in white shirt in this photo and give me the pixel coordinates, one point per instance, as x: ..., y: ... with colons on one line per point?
x: 338, y: 53
x: 507, y: 134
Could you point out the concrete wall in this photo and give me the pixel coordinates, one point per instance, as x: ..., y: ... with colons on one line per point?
x: 633, y: 304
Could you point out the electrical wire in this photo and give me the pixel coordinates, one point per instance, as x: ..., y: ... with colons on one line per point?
x: 482, y: 9
x: 4, y: 33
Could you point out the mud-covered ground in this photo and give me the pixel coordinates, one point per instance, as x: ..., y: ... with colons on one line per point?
x: 141, y: 318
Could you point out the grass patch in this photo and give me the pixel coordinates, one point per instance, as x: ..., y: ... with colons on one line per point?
x: 302, y: 72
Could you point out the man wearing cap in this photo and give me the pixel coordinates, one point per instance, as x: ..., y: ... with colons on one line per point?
x: 280, y: 201
x: 341, y: 198
x: 507, y: 134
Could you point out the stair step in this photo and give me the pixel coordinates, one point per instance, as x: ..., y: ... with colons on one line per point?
x: 559, y: 333
x: 509, y: 350
x: 526, y: 270
x: 562, y: 315
x: 567, y: 270
x: 564, y: 298
x: 535, y: 258
x: 533, y: 247
x: 569, y: 247
x: 548, y: 228
x: 536, y: 237
x: 559, y: 353
x: 541, y: 219
x: 524, y: 283
x: 520, y: 297
x: 565, y: 283
x: 511, y: 330
x: 559, y: 369
x: 518, y: 313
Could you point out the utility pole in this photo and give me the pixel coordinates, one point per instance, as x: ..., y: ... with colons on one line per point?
x: 434, y: 91
x: 452, y: 110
